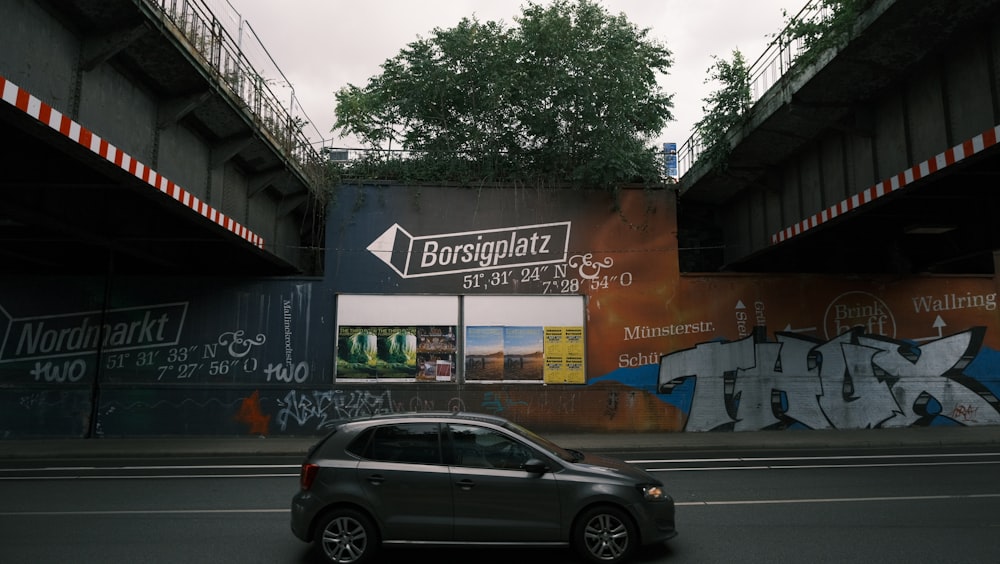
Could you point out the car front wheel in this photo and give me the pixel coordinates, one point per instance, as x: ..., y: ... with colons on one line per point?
x: 346, y: 536
x: 605, y: 535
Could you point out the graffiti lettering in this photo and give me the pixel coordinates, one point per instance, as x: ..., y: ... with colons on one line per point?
x: 32, y: 401
x: 69, y: 371
x: 496, y: 402
x: 303, y: 408
x: 612, y: 408
x: 853, y: 381
x: 322, y: 408
x: 964, y: 413
x: 456, y: 405
x: 281, y: 373
x: 417, y: 404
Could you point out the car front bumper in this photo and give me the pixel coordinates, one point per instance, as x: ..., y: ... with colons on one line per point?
x: 655, y: 520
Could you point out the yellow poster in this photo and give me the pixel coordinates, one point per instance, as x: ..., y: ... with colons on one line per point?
x: 555, y: 352
x: 564, y: 355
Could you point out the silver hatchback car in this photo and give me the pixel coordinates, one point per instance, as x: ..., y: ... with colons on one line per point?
x: 470, y: 479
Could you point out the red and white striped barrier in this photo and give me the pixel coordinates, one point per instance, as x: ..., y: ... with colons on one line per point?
x: 46, y: 114
x: 953, y: 155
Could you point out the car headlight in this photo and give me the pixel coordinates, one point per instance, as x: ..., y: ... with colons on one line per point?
x: 652, y: 492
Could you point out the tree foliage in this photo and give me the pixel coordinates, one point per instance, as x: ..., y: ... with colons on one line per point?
x: 568, y: 94
x: 726, y: 108
x: 821, y: 25
x: 828, y: 24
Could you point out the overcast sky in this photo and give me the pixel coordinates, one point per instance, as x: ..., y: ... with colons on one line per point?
x: 323, y: 45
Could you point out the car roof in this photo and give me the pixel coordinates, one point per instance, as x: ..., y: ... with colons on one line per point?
x: 414, y: 415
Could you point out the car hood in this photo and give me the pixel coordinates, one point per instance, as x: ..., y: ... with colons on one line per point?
x: 603, y: 466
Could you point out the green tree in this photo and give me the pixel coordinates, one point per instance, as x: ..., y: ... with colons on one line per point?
x: 567, y: 95
x: 726, y: 108
x: 823, y: 24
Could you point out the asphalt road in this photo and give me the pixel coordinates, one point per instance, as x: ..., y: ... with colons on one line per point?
x: 887, y: 505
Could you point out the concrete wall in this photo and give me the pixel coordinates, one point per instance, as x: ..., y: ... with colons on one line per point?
x: 118, y: 109
x: 662, y: 352
x: 39, y: 54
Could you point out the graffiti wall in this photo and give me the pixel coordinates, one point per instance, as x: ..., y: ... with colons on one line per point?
x: 712, y: 352
x: 563, y: 310
x: 152, y: 356
x: 822, y: 353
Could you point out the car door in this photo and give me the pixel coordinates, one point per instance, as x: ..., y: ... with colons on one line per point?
x: 406, y: 482
x: 495, y: 500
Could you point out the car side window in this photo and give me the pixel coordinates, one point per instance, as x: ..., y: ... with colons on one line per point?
x: 360, y: 445
x: 416, y: 443
x: 480, y: 447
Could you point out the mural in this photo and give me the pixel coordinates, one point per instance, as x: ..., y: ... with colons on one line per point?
x: 647, y: 349
x: 853, y: 381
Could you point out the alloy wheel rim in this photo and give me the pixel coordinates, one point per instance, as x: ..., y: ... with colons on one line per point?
x: 344, y: 540
x: 606, y: 537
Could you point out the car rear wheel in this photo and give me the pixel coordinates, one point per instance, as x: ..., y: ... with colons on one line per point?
x: 605, y: 535
x: 346, y: 536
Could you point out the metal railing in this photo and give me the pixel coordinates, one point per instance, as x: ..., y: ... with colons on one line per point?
x: 765, y: 72
x: 212, y: 37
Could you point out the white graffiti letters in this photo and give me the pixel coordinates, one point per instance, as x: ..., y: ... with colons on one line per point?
x: 851, y: 381
x: 297, y: 373
x: 322, y: 408
x: 67, y: 371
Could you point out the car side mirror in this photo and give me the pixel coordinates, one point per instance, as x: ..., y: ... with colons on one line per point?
x: 535, y: 466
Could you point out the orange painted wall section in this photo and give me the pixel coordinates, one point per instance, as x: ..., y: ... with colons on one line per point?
x: 746, y: 352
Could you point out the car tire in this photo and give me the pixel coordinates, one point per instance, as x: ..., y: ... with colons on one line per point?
x: 346, y: 536
x: 605, y: 535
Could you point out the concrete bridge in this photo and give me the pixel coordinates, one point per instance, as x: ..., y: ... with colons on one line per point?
x: 880, y: 157
x: 139, y: 140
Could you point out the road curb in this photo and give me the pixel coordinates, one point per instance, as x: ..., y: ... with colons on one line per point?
x: 167, y: 447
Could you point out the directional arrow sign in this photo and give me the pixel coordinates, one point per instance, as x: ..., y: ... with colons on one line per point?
x: 471, y: 251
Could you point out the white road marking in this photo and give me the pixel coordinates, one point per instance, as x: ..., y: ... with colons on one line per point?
x: 836, y: 500
x: 144, y: 476
x: 137, y: 512
x: 161, y: 467
x: 843, y: 457
x: 819, y: 466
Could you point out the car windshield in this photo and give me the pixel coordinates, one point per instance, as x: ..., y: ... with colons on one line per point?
x: 551, y: 447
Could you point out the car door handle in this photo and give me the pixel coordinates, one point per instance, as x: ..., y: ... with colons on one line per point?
x: 376, y: 479
x: 465, y: 484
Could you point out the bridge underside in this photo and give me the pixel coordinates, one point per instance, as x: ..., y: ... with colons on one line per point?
x: 944, y: 224
x: 81, y: 76
x: 65, y: 209
x: 795, y: 195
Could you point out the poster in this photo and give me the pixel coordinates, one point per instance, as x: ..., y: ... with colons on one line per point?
x: 564, y: 354
x: 436, y: 349
x: 372, y: 352
x: 523, y: 354
x: 484, y: 356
